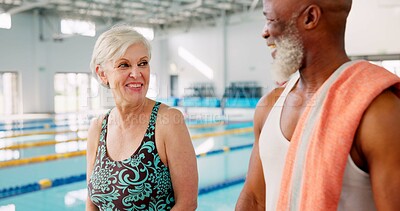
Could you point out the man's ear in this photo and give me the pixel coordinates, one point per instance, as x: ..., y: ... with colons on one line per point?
x: 311, y: 16
x: 102, y: 74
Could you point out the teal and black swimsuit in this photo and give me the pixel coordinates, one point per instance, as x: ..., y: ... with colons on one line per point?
x: 141, y: 182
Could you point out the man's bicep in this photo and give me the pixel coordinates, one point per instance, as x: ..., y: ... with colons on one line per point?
x: 252, y: 196
x: 255, y: 183
x: 255, y: 175
x: 380, y: 142
x: 384, y: 167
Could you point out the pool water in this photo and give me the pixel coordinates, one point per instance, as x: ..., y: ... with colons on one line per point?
x: 214, y: 169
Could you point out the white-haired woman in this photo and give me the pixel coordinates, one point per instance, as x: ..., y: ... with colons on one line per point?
x: 139, y: 155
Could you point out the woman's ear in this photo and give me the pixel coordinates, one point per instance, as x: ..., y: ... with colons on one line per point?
x: 311, y: 16
x: 102, y: 74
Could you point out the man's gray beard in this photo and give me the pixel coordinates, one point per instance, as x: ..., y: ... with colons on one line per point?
x: 289, y: 54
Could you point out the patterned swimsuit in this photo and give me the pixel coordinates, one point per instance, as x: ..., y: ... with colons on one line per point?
x: 141, y: 182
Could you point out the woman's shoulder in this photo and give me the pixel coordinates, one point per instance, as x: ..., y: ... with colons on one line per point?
x: 169, y: 116
x: 169, y: 111
x: 94, y: 130
x: 96, y: 122
x: 171, y: 124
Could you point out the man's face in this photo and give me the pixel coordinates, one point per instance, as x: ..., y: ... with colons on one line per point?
x: 283, y: 38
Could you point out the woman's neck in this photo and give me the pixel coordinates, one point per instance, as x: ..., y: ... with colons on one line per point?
x: 131, y: 115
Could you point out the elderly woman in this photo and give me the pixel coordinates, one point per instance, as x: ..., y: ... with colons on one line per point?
x: 136, y: 161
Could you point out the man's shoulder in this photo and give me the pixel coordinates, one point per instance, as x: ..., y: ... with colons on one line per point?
x: 269, y: 99
x: 385, y: 106
x: 265, y: 105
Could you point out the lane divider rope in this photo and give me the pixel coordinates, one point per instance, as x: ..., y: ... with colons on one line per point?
x: 221, y: 133
x: 42, y: 133
x: 221, y: 185
x: 45, y: 126
x: 53, y: 142
x: 48, y: 183
x: 40, y: 185
x: 198, y: 126
x: 39, y: 144
x: 45, y: 158
x: 40, y: 159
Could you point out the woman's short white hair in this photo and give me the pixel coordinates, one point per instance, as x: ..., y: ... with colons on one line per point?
x: 113, y: 43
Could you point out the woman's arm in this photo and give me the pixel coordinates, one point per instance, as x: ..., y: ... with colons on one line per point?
x: 92, y: 144
x: 181, y: 159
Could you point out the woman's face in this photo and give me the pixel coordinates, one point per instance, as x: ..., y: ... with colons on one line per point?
x: 129, y: 75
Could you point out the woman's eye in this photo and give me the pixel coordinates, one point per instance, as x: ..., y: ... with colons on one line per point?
x: 143, y: 63
x: 123, y: 65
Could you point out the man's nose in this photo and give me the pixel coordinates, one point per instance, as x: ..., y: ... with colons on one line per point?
x: 265, y: 32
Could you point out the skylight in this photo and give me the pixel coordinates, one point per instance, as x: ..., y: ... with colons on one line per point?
x: 84, y: 28
x: 148, y: 33
x: 5, y: 21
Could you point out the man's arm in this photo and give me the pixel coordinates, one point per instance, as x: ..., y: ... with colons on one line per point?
x: 378, y: 139
x: 252, y: 196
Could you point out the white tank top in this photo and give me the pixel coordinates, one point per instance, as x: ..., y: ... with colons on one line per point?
x: 356, y: 188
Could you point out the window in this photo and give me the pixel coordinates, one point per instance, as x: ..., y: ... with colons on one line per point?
x: 5, y: 21
x: 390, y: 62
x: 75, y: 92
x: 153, y: 91
x: 9, y: 93
x: 392, y: 65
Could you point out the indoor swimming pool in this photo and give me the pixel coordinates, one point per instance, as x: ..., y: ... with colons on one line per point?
x: 52, y: 154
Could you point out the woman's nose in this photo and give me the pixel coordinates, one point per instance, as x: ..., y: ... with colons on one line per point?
x: 135, y: 73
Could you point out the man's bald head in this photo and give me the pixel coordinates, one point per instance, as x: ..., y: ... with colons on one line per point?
x: 334, y: 5
x: 287, y: 9
x: 315, y: 23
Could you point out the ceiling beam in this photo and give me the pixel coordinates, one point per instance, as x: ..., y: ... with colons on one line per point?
x: 27, y: 7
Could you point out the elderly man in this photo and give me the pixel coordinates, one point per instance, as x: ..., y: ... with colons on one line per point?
x: 329, y: 139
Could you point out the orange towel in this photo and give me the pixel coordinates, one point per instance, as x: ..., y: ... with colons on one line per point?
x: 316, y: 160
